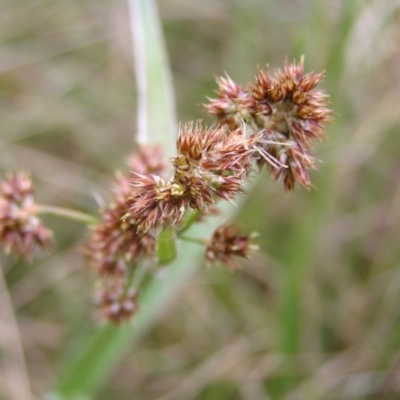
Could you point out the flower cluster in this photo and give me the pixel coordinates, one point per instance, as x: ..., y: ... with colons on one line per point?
x: 116, y: 304
x: 114, y: 242
x: 211, y: 163
x: 21, y: 230
x: 287, y: 109
x: 115, y: 245
x: 226, y: 243
x: 272, y: 123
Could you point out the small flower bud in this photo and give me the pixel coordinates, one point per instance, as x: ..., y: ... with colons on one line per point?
x: 226, y: 243
x: 20, y: 228
x: 116, y: 304
x: 233, y: 105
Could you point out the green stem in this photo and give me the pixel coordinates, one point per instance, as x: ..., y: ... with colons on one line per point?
x: 131, y: 276
x: 66, y: 213
x: 14, y: 370
x: 201, y: 242
x: 138, y: 276
x: 189, y: 221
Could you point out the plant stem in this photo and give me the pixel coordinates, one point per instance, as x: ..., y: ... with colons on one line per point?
x: 66, y: 213
x: 13, y: 370
x: 132, y: 276
x: 191, y: 218
x: 201, y: 242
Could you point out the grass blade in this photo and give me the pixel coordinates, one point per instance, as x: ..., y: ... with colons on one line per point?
x: 156, y: 104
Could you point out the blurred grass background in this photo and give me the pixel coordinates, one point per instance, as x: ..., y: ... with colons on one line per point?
x: 316, y: 314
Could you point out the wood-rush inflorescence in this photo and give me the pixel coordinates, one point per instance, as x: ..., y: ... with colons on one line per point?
x: 272, y: 123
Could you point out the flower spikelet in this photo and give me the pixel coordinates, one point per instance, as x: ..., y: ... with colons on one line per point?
x: 287, y: 111
x: 115, y: 242
x: 211, y: 163
x: 149, y: 207
x: 226, y: 243
x: 20, y: 228
x: 116, y: 304
x: 296, y: 115
x: 296, y: 107
x: 115, y: 245
x: 233, y: 105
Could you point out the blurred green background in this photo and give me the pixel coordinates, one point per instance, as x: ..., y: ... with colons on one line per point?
x: 315, y: 315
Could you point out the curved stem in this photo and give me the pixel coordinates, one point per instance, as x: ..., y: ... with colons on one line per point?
x: 191, y: 218
x: 137, y: 278
x: 201, y: 242
x: 66, y: 213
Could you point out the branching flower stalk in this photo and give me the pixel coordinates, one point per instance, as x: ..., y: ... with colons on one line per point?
x: 272, y: 123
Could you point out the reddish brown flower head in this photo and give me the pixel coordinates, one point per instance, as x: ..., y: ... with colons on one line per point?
x: 226, y: 243
x: 20, y: 228
x: 217, y: 151
x: 211, y: 163
x: 147, y: 206
x: 115, y: 241
x: 116, y: 304
x: 294, y: 107
x: 195, y: 142
x: 156, y: 205
x: 233, y: 155
x: 233, y: 105
x: 280, y: 108
x: 296, y: 115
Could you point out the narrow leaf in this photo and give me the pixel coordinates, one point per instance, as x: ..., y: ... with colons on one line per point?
x: 166, y: 246
x: 156, y: 102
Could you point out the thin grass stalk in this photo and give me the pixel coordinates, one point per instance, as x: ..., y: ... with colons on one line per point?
x: 156, y: 100
x: 14, y: 367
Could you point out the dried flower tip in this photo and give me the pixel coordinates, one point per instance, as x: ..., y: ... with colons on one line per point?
x: 233, y: 105
x: 226, y: 243
x: 116, y: 304
x: 156, y: 205
x: 294, y: 107
x: 194, y: 141
x: 147, y: 207
x: 20, y: 228
x: 211, y: 163
x: 115, y: 241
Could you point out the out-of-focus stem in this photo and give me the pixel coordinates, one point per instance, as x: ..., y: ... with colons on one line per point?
x: 156, y: 106
x: 66, y: 213
x: 189, y: 221
x: 201, y: 242
x: 14, y: 368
